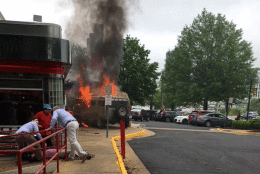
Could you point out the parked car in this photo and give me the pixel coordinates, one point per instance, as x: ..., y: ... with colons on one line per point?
x: 168, y: 117
x: 182, y: 119
x: 152, y: 114
x: 139, y: 114
x: 196, y: 113
x: 251, y: 115
x: 212, y: 119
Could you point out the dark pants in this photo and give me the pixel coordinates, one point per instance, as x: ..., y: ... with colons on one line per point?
x: 48, y: 141
x: 20, y: 140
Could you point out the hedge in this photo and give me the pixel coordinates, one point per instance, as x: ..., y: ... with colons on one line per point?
x: 251, y: 124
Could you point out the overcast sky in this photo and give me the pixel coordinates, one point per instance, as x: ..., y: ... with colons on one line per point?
x: 157, y: 23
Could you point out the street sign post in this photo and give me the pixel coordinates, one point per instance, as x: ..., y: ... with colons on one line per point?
x: 108, y: 90
x: 108, y: 101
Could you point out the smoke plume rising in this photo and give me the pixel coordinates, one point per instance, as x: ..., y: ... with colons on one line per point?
x: 97, y: 26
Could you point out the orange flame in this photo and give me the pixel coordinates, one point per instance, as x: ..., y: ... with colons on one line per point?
x: 84, y: 92
x: 102, y: 89
x: 84, y: 125
x: 83, y: 68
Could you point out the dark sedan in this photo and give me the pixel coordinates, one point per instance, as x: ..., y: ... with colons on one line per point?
x: 168, y: 117
x: 139, y: 114
x: 152, y: 114
x: 212, y: 119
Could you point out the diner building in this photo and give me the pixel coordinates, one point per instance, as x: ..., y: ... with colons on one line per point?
x: 34, y: 61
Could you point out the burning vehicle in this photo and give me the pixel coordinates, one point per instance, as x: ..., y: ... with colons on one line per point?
x: 96, y: 57
x: 88, y: 105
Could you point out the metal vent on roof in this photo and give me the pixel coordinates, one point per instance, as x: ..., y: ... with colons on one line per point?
x: 37, y: 18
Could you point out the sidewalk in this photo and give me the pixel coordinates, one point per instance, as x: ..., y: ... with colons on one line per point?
x: 105, y: 160
x: 94, y: 141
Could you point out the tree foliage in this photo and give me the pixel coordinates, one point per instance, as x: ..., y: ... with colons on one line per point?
x: 137, y: 76
x: 211, y: 62
x: 255, y: 105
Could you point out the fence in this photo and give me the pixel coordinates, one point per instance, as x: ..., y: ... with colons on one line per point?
x: 58, y: 144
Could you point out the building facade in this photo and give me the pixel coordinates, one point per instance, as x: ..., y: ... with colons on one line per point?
x: 34, y: 61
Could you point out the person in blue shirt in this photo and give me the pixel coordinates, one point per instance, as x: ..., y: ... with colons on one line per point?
x: 28, y: 138
x: 66, y: 120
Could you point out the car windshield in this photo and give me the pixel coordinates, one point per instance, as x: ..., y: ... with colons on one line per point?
x: 203, y: 113
x: 194, y: 112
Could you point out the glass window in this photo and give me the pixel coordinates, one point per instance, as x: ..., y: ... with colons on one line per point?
x: 56, y: 92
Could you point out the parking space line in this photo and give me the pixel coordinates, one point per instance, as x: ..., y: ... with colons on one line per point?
x: 241, y: 132
x: 191, y: 130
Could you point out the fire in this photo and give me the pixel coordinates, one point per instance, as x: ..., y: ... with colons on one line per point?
x: 84, y: 92
x: 84, y: 125
x: 106, y: 82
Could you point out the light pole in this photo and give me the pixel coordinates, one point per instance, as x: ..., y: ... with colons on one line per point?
x: 249, y: 95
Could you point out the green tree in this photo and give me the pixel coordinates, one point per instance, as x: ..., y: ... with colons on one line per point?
x: 137, y: 76
x: 211, y: 62
x: 255, y: 105
x: 157, y: 100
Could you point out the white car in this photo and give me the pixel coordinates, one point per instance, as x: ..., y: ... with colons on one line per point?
x: 181, y: 119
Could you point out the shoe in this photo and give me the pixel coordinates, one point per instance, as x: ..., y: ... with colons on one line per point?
x: 88, y: 157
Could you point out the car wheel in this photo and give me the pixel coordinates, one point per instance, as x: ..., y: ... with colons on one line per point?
x: 184, y: 121
x: 121, y: 112
x: 208, y: 124
x: 167, y: 120
x: 148, y: 119
x: 142, y: 119
x: 135, y: 119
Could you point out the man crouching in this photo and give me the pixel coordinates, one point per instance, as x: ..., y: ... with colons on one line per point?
x: 28, y: 138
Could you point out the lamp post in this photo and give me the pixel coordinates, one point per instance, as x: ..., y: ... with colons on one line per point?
x: 249, y: 95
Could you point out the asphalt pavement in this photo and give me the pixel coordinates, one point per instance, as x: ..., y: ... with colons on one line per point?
x: 194, y: 149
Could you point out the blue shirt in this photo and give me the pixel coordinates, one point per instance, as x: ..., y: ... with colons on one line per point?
x: 29, y: 127
x: 62, y: 117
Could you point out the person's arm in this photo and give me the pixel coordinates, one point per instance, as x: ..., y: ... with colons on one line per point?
x: 54, y: 119
x: 35, y: 127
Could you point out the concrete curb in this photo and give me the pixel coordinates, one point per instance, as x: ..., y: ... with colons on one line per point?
x: 119, y: 157
x: 242, y: 132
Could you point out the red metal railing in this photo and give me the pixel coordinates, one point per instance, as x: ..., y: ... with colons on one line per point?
x: 59, y: 148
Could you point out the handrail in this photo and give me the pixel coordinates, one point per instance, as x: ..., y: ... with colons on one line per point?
x: 59, y: 148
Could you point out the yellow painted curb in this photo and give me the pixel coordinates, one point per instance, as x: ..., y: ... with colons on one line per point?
x: 119, y: 157
x: 240, y: 133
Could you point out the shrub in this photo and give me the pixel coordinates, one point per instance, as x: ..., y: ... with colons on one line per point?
x: 254, y: 120
x: 238, y: 124
x: 255, y: 125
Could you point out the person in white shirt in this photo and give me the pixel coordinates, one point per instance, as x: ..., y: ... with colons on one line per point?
x: 28, y: 138
x: 65, y: 119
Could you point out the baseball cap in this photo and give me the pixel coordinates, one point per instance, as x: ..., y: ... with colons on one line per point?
x: 47, y: 106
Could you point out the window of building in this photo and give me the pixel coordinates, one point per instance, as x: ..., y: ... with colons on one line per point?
x: 56, y: 92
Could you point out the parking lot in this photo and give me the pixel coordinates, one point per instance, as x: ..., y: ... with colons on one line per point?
x: 184, y: 148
